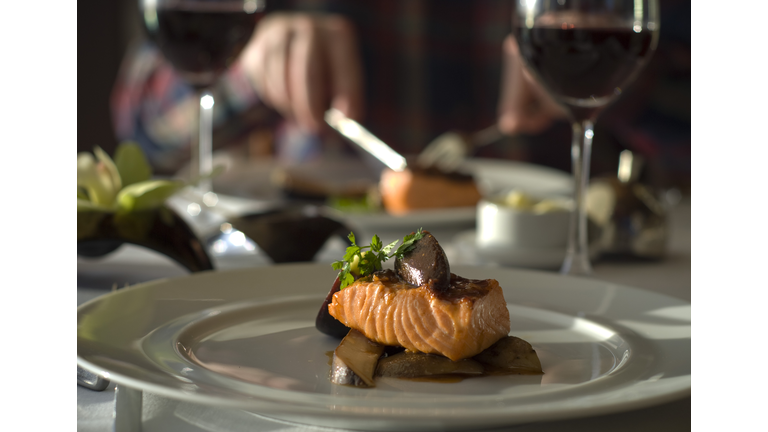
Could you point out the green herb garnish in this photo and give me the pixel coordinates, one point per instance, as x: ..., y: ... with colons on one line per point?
x: 361, y: 261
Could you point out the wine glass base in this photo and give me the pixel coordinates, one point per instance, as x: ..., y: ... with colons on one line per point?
x: 576, y: 266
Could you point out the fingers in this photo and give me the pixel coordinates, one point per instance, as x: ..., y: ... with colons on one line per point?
x: 306, y: 75
x: 524, y: 106
x: 344, y: 67
x: 275, y: 62
x: 303, y: 64
x: 265, y: 60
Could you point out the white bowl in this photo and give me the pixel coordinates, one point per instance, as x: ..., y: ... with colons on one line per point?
x: 503, y: 226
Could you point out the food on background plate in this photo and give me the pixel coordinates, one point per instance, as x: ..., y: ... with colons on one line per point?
x: 419, y: 189
x: 522, y: 201
x: 418, y: 320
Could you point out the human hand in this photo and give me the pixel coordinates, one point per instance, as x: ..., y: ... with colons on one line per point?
x: 302, y: 64
x: 524, y: 106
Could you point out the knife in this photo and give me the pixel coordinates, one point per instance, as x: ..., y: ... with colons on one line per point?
x: 359, y: 135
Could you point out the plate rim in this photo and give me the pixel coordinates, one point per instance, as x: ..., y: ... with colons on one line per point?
x: 492, y: 415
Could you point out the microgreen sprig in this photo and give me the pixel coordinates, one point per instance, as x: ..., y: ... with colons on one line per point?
x: 361, y: 261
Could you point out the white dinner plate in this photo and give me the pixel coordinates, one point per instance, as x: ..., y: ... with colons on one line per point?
x: 246, y: 339
x: 499, y: 176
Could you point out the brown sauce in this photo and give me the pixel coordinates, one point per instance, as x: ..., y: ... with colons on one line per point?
x: 509, y: 356
x: 454, y: 378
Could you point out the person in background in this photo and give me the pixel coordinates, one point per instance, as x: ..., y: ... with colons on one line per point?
x: 409, y: 70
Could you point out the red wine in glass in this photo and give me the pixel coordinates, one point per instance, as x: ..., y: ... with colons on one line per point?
x: 584, y: 64
x: 584, y: 52
x: 201, y: 39
x: 201, y: 43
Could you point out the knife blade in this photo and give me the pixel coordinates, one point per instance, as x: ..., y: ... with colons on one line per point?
x: 359, y: 135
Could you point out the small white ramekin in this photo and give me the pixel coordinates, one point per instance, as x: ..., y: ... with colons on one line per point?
x: 501, y: 226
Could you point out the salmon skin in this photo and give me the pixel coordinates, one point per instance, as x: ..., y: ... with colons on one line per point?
x: 457, y: 323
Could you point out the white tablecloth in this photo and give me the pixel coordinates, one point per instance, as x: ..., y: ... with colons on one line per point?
x: 130, y: 265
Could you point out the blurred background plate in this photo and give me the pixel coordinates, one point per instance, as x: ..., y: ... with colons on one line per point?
x: 338, y: 176
x: 321, y: 179
x: 498, y: 176
x: 493, y: 177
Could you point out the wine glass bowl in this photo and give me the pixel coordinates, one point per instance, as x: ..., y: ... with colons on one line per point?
x: 584, y: 52
x: 201, y: 39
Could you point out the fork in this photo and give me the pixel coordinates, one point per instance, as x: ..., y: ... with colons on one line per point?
x: 450, y: 149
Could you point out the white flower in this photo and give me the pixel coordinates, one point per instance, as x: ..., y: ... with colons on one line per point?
x: 99, y: 179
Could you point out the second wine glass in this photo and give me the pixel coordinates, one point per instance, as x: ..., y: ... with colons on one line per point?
x: 201, y: 39
x: 584, y: 52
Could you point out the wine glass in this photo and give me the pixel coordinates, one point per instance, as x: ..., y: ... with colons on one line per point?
x: 201, y: 39
x: 584, y: 52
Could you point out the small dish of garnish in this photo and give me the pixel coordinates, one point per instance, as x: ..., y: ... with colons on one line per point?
x: 520, y: 220
x: 418, y: 320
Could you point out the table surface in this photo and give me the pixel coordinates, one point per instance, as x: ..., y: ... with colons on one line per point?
x: 130, y: 265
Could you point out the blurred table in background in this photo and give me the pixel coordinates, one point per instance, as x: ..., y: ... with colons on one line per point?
x: 130, y: 265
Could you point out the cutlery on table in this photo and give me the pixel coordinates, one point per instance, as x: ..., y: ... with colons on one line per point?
x: 450, y: 149
x: 90, y: 380
x: 445, y: 152
x: 359, y: 135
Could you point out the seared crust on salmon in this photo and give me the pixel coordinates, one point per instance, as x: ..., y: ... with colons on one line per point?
x: 458, y: 323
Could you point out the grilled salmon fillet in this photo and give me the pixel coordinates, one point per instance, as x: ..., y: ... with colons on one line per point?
x: 407, y: 190
x: 457, y: 323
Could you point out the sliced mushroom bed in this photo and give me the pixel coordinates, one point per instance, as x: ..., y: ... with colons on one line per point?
x: 357, y: 361
x: 354, y: 360
x: 415, y: 365
x: 510, y: 355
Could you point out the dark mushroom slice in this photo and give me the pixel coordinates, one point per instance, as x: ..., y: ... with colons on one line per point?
x: 425, y: 264
x: 325, y: 322
x: 418, y: 365
x: 354, y: 360
x: 510, y: 355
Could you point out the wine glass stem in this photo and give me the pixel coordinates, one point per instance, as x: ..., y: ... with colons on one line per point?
x: 205, y: 142
x: 577, y: 254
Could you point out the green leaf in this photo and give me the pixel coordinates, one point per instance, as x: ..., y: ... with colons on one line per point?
x: 147, y: 194
x: 375, y: 243
x: 346, y: 280
x: 388, y: 248
x: 408, y: 242
x: 132, y: 164
x: 351, y: 252
x: 359, y: 262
